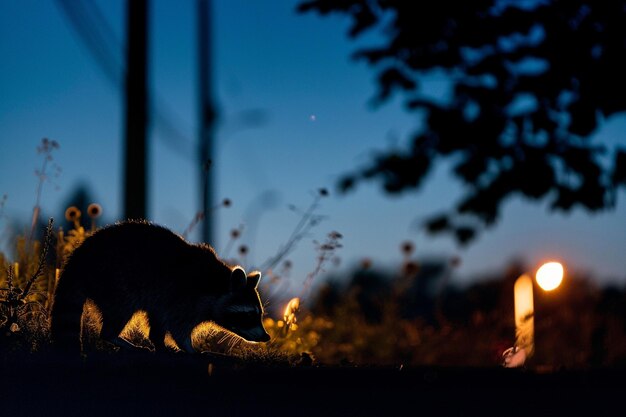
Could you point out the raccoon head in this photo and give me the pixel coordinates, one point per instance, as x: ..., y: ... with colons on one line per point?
x: 240, y: 311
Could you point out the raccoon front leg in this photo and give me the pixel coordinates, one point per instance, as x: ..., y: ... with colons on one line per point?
x: 183, y: 340
x: 112, y: 326
x: 157, y: 336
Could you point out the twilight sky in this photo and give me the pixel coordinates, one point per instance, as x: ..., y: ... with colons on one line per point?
x: 294, y: 117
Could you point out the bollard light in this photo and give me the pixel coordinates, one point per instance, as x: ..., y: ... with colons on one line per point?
x: 549, y: 276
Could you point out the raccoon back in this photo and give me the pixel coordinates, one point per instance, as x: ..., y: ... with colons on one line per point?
x: 134, y: 266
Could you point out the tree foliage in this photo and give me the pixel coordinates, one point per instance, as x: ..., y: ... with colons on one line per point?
x: 531, y: 82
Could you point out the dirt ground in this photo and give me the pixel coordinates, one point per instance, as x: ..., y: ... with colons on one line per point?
x: 188, y: 385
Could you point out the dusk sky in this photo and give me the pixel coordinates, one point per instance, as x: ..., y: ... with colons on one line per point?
x: 295, y: 116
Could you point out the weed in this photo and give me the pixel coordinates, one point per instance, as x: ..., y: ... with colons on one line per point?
x: 325, y: 252
x: 308, y: 220
x: 3, y: 202
x: 201, y: 215
x: 234, y: 235
x: 43, y: 174
x: 20, y: 305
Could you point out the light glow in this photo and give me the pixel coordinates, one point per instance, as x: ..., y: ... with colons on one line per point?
x: 550, y: 275
x: 291, y: 310
x: 289, y: 317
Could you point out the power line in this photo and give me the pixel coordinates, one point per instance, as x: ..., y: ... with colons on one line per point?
x: 97, y: 34
x: 96, y: 42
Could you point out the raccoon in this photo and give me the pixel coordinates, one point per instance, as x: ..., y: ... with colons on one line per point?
x: 138, y: 265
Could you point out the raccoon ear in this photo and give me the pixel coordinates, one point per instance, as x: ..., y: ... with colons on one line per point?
x: 253, y: 279
x: 237, y: 279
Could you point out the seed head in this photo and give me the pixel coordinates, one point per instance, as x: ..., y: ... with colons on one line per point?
x: 410, y: 268
x: 334, y: 235
x: 366, y: 263
x: 407, y: 248
x: 94, y: 210
x: 72, y: 214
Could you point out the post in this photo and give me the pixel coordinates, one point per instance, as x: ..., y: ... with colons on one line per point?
x: 524, y: 315
x: 207, y: 116
x: 136, y: 112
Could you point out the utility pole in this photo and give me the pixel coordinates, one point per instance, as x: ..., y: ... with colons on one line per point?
x: 207, y: 116
x: 136, y: 111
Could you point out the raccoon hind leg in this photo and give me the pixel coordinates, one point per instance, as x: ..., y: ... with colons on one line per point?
x: 66, y: 318
x: 183, y: 341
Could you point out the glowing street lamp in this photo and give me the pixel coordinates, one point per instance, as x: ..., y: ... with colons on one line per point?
x: 549, y: 276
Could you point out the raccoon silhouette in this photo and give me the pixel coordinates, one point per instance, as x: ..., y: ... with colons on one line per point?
x: 140, y: 266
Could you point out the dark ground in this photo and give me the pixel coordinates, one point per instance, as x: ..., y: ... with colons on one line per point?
x: 143, y: 384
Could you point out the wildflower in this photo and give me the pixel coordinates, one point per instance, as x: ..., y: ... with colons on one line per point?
x: 47, y: 145
x: 335, y: 235
x: 268, y: 323
x: 14, y: 328
x: 290, y: 312
x: 74, y: 238
x: 72, y: 214
x: 455, y: 261
x: 366, y: 263
x: 94, y: 210
x: 407, y: 248
x: 410, y: 268
x: 46, y: 148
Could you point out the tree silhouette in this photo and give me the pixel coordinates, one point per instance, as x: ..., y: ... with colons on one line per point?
x: 530, y: 84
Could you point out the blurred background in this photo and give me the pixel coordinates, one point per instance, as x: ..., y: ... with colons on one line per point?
x: 243, y: 124
x: 293, y: 113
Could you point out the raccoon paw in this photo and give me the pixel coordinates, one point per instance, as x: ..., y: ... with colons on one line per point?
x: 119, y: 343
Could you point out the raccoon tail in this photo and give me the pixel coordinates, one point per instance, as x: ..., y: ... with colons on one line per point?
x: 65, y: 318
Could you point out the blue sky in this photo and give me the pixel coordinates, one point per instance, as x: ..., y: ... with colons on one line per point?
x: 294, y: 70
